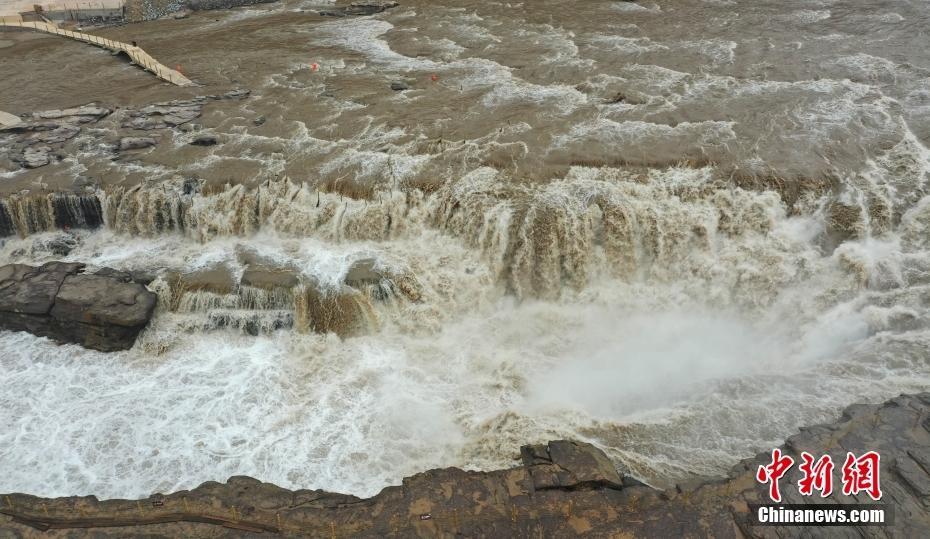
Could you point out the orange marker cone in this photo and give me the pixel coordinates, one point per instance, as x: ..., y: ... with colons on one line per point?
x: 434, y: 77
x: 178, y: 69
x: 314, y: 66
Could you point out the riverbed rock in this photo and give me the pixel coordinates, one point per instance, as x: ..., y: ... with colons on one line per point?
x: 36, y: 156
x: 362, y: 273
x: 269, y: 278
x: 135, y: 143
x: 163, y: 115
x: 205, y: 139
x: 84, y: 114
x: 58, y: 135
x: 60, y: 244
x: 59, y: 300
x: 596, y: 502
x: 360, y: 8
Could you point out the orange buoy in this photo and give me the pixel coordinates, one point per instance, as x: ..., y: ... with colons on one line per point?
x: 434, y: 77
x: 178, y: 68
x: 314, y: 66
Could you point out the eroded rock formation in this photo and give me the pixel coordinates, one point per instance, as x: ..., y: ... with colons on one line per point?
x: 562, y: 489
x: 104, y: 310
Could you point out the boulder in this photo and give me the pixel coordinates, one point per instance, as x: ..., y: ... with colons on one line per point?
x: 569, y: 464
x: 103, y: 311
x: 399, y: 86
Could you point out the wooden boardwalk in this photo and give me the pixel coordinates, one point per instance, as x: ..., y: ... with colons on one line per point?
x: 139, y: 56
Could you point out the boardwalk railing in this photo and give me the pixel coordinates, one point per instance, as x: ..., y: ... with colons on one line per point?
x: 139, y: 56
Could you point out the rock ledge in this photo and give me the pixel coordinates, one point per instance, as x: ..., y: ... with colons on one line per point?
x: 104, y: 311
x: 562, y: 489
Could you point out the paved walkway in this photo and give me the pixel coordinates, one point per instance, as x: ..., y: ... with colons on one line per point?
x: 139, y: 56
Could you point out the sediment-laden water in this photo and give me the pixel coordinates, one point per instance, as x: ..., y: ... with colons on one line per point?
x: 677, y: 230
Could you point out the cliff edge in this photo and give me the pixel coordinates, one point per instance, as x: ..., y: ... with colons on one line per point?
x: 562, y: 489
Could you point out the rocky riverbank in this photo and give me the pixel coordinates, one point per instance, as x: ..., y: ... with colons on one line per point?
x: 561, y: 489
x: 104, y: 310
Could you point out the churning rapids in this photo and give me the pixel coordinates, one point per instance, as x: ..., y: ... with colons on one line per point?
x: 677, y: 229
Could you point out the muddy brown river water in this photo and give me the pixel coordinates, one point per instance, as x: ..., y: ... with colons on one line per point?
x: 677, y: 229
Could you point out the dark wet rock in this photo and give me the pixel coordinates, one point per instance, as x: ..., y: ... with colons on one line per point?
x: 594, y: 501
x: 399, y: 86
x: 36, y: 156
x: 259, y: 121
x: 58, y: 300
x: 206, y: 139
x: 359, y: 9
x: 135, y: 143
x: 29, y: 290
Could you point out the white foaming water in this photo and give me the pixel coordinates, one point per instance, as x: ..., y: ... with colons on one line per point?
x: 672, y: 318
x: 356, y: 415
x: 644, y: 368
